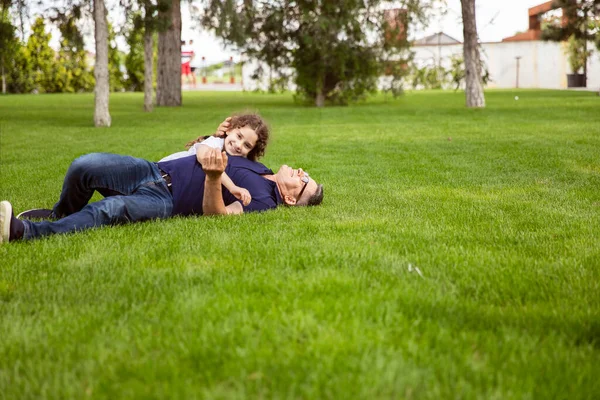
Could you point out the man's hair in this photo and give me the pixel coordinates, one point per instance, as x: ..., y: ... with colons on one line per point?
x: 316, y: 198
x: 254, y: 122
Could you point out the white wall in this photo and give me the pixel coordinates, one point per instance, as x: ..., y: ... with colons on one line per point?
x: 542, y: 65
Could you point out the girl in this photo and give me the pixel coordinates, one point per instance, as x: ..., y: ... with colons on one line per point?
x: 246, y: 135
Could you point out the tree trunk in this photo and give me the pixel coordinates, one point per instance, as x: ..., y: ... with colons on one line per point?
x: 148, y: 61
x: 101, y: 91
x: 3, y: 80
x: 320, y: 96
x: 474, y: 84
x: 22, y: 10
x: 168, y: 87
x: 320, y: 100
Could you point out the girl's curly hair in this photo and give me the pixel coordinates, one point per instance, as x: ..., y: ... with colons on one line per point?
x: 253, y: 121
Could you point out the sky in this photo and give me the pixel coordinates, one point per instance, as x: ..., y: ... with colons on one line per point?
x: 496, y: 19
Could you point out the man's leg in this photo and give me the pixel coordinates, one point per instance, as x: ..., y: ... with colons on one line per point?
x: 89, y: 166
x: 79, y: 168
x: 109, y: 174
x: 151, y: 201
x: 135, y: 188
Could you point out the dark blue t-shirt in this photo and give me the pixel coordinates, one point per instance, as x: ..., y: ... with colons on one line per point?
x: 187, y: 178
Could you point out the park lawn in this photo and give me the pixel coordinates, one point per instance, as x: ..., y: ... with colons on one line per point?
x: 456, y: 255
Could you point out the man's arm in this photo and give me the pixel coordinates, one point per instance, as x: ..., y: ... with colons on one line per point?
x: 240, y: 193
x: 213, y: 163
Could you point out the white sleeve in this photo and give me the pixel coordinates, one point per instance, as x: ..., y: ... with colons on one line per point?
x: 175, y: 156
x: 214, y: 142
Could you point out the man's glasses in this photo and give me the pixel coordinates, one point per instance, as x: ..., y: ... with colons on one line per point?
x: 304, y: 179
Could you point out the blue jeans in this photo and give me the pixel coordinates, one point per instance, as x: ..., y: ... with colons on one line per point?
x: 134, y: 191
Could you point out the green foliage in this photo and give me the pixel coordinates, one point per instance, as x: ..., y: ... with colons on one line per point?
x: 579, y: 24
x: 115, y: 74
x: 395, y: 74
x: 7, y: 30
x: 580, y: 17
x: 439, y: 77
x: 501, y: 221
x: 15, y: 65
x: 42, y: 57
x: 342, y: 71
x: 457, y: 71
x: 577, y: 54
x: 72, y: 71
x: 8, y: 41
x: 336, y: 49
x: 19, y: 75
x: 134, y: 59
x: 36, y: 67
x: 429, y: 77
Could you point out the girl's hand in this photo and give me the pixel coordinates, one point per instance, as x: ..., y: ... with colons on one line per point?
x: 242, y: 194
x: 223, y: 128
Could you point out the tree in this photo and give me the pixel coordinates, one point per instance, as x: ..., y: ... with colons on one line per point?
x: 115, y: 74
x: 143, y: 22
x: 22, y: 12
x: 474, y: 83
x: 168, y: 85
x: 19, y: 77
x: 579, y: 25
x: 42, y: 57
x: 336, y: 49
x: 151, y: 24
x: 134, y: 59
x: 71, y: 71
x: 8, y: 41
x: 101, y: 112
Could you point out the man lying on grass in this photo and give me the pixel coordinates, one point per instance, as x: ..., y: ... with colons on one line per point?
x: 138, y: 190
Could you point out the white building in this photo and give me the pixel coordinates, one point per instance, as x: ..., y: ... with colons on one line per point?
x: 522, y: 60
x: 541, y: 65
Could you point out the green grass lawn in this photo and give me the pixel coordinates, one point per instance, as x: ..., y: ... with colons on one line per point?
x: 499, y: 209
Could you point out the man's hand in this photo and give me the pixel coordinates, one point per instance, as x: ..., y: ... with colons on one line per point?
x: 213, y: 162
x: 223, y: 128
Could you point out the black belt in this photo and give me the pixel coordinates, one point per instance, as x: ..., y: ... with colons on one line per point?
x: 167, y: 179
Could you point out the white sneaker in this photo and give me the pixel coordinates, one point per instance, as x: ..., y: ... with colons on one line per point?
x: 5, y: 218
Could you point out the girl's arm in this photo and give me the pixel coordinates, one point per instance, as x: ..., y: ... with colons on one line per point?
x: 240, y: 193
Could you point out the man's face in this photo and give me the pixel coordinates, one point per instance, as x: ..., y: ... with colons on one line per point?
x: 240, y: 141
x: 293, y: 186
